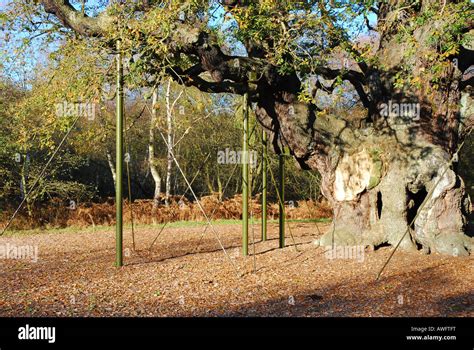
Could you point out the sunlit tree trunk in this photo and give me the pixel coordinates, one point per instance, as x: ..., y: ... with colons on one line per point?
x: 151, y: 152
x: 111, y: 164
x: 170, y: 141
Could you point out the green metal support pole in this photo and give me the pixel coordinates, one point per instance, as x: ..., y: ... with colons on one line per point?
x: 245, y: 180
x: 264, y: 185
x: 119, y: 161
x: 281, y: 198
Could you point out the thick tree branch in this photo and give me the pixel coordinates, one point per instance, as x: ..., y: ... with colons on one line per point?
x: 78, y: 22
x: 357, y: 79
x: 206, y: 86
x: 230, y: 74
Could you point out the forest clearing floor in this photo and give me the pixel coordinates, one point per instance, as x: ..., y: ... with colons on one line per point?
x: 184, y: 275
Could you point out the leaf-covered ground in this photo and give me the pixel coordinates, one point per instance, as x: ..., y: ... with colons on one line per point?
x: 184, y: 275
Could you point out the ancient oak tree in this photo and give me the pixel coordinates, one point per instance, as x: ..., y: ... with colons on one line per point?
x: 405, y: 64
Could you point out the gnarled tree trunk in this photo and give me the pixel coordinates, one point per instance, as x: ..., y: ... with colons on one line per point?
x: 377, y: 177
x: 387, y: 176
